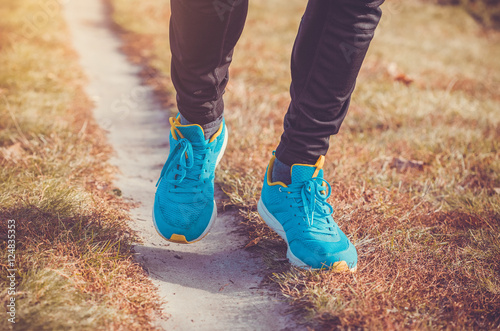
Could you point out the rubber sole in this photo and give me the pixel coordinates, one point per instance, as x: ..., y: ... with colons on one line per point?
x: 274, y: 224
x: 181, y: 239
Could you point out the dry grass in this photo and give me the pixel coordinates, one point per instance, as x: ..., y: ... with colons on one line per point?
x: 73, y: 247
x: 428, y: 236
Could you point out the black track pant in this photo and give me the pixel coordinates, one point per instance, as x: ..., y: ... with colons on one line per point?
x: 331, y: 44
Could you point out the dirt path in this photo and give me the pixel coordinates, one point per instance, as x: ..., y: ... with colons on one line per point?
x: 212, y: 285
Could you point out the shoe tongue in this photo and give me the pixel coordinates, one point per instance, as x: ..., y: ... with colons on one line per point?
x: 194, y: 133
x: 302, y: 173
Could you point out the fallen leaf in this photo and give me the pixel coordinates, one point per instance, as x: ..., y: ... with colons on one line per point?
x: 253, y: 242
x: 223, y: 286
x: 402, y: 164
x: 403, y: 78
x: 14, y: 152
x: 398, y: 75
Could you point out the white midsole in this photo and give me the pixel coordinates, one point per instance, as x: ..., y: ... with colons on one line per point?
x: 274, y: 224
x: 223, y: 149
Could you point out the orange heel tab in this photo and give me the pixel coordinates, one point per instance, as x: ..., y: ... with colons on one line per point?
x: 318, y: 165
x: 321, y: 161
x: 174, y: 122
x: 216, y: 134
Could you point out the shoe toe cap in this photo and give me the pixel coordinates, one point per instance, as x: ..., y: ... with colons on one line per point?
x: 186, y: 220
x: 325, y: 254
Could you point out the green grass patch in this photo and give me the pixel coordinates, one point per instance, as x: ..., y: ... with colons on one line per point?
x: 73, y: 258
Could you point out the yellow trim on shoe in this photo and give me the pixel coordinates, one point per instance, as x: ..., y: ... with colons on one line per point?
x: 341, y: 266
x: 274, y: 224
x: 174, y: 123
x: 319, y: 165
x: 178, y: 238
x: 216, y: 134
x: 173, y: 128
x: 181, y: 239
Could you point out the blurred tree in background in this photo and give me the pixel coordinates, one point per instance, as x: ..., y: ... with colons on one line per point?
x: 485, y: 11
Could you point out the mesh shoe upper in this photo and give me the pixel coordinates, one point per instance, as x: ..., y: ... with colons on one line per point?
x: 184, y: 200
x: 302, y: 212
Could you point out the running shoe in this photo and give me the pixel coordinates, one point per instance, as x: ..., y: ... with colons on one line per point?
x: 301, y: 215
x: 184, y: 207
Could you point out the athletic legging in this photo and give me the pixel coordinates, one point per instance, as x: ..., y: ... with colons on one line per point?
x: 329, y: 49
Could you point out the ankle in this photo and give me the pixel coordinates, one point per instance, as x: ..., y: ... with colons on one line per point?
x: 209, y: 129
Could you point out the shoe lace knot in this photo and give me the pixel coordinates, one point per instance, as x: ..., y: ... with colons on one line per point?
x: 186, y: 161
x: 312, y: 196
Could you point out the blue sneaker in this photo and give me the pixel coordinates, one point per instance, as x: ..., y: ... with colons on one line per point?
x: 301, y: 215
x: 184, y: 207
